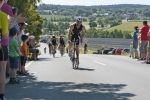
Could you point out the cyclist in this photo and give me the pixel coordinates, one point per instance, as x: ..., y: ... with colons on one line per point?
x: 54, y: 43
x: 50, y: 47
x: 61, y: 43
x: 74, y: 32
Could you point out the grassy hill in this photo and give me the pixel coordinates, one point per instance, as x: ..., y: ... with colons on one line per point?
x: 125, y: 26
x: 128, y: 26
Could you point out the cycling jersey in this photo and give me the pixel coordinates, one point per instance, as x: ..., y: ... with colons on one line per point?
x: 54, y: 41
x: 76, y: 33
x: 76, y: 30
x: 62, y: 42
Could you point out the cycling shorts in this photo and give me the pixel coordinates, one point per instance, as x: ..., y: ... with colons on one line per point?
x: 4, y: 53
x: 76, y: 37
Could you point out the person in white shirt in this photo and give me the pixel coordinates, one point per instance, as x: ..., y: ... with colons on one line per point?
x: 22, y: 28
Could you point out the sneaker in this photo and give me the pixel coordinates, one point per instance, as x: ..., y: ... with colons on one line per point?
x: 14, y: 81
x: 3, y: 98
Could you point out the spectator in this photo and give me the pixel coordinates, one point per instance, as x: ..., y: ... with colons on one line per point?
x: 103, y: 50
x: 135, y: 41
x: 85, y: 48
x: 14, y: 53
x: 33, y: 48
x: 25, y: 53
x: 3, y: 49
x: 144, y: 40
x: 148, y: 52
x: 8, y: 10
x: 22, y: 28
x: 131, y: 50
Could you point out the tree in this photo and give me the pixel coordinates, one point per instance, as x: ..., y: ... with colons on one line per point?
x: 99, y: 21
x: 94, y: 10
x: 28, y: 9
x: 94, y: 24
x: 92, y: 18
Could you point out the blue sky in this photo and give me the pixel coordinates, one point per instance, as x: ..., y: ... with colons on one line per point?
x: 95, y: 2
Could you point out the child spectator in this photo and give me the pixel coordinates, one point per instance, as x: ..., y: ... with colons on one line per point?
x: 14, y: 53
x: 131, y: 50
x: 25, y: 53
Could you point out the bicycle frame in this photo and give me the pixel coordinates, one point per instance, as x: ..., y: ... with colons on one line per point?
x: 74, y: 58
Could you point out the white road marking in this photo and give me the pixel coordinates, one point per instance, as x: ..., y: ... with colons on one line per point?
x: 100, y: 63
x: 29, y: 64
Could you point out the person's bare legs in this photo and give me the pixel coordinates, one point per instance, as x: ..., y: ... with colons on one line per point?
x: 2, y: 76
x: 77, y: 53
x: 136, y: 53
x: 12, y: 73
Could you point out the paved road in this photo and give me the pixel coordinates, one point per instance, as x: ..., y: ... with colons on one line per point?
x: 100, y: 77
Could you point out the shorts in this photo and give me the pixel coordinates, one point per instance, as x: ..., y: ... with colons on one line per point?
x: 54, y: 44
x: 135, y: 44
x: 131, y: 52
x: 14, y: 62
x: 76, y: 37
x: 23, y: 60
x: 62, y: 45
x: 33, y: 50
x: 148, y: 45
x: 143, y: 47
x: 4, y: 53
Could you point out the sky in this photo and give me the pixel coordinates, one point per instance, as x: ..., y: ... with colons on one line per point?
x: 95, y: 2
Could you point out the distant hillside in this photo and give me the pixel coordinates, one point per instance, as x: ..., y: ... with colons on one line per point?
x: 117, y: 6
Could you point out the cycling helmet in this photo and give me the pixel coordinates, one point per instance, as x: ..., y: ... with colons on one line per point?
x: 79, y: 19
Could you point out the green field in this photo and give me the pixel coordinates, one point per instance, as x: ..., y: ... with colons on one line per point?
x: 53, y: 16
x: 125, y: 26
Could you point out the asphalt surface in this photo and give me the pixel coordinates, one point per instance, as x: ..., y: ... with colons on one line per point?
x: 99, y: 77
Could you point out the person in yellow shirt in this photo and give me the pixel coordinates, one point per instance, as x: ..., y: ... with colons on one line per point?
x: 25, y: 53
x: 3, y: 49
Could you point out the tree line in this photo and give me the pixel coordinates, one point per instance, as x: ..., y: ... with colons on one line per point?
x: 100, y: 33
x: 55, y: 28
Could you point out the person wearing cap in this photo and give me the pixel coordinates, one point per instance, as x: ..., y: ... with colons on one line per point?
x: 32, y: 47
x: 131, y: 50
x: 14, y: 56
x: 25, y: 53
x: 22, y: 28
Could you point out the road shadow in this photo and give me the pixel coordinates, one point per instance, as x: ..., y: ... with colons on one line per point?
x: 32, y: 89
x: 43, y: 59
x: 85, y: 69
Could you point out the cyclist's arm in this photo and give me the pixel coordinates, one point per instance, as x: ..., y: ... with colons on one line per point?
x: 83, y: 32
x: 70, y: 30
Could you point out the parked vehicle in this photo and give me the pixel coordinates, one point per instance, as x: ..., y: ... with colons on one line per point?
x: 125, y: 50
x: 97, y: 52
x: 112, y: 52
x: 106, y: 51
x: 118, y: 51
